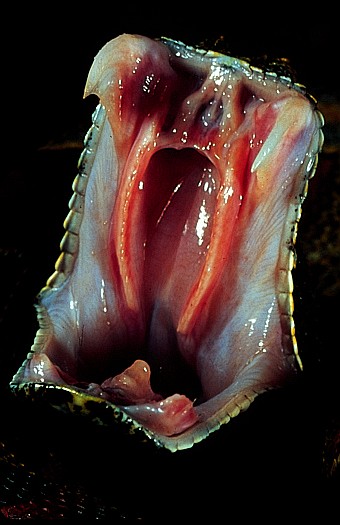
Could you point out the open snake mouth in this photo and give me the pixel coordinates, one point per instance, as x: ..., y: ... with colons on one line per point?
x: 172, y: 299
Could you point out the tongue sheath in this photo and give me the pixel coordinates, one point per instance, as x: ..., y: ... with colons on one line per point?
x: 132, y: 389
x: 131, y: 386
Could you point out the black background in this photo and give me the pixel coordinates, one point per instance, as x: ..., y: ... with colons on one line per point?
x: 279, y: 448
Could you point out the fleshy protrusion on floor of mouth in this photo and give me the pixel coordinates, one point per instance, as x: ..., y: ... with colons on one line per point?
x: 131, y: 390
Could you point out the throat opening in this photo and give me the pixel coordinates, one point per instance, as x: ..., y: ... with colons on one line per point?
x: 178, y: 205
x: 164, y: 264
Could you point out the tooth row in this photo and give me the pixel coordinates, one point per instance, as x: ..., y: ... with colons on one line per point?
x: 70, y: 242
x: 288, y: 256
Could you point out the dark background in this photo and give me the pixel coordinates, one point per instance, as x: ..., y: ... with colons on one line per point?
x: 283, y: 447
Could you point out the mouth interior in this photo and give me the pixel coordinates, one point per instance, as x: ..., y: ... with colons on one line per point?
x: 179, y: 262
x: 180, y: 200
x: 179, y: 203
